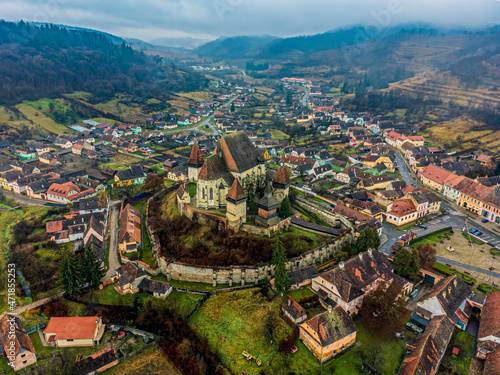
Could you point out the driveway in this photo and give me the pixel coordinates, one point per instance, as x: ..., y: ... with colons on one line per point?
x: 113, y: 239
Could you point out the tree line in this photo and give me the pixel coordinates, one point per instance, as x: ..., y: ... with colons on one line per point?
x: 49, y: 60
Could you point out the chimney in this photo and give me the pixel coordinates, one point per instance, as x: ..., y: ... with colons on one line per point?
x: 341, y: 265
x: 289, y: 302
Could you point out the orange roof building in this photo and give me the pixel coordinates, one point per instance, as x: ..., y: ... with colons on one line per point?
x: 434, y: 177
x: 130, y: 234
x: 74, y: 331
x: 62, y: 192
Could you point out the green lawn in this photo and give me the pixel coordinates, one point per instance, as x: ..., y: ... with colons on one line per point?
x: 299, y: 294
x: 447, y: 271
x: 191, y: 188
x: 233, y: 322
x: 183, y: 303
x: 109, y: 296
x: 472, y: 239
x: 204, y: 287
x: 432, y: 238
x: 465, y: 343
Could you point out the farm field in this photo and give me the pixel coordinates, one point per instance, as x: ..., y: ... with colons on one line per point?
x: 38, y: 118
x: 446, y: 133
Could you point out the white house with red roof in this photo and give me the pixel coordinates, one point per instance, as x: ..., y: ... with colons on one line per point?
x: 62, y: 193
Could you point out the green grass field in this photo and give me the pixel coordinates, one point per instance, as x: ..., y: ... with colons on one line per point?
x: 38, y: 118
x: 233, y: 322
x: 183, y: 303
x: 458, y: 364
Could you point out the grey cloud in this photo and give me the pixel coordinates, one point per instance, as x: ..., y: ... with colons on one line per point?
x: 149, y: 19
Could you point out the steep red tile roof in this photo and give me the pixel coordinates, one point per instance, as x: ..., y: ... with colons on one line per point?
x: 195, y: 159
x: 282, y: 176
x: 236, y: 192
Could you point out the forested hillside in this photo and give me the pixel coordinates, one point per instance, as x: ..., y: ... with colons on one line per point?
x: 49, y: 60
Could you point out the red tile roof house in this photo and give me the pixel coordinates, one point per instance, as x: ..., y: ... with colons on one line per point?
x: 401, y: 212
x: 74, y: 331
x: 16, y: 345
x: 347, y: 284
x: 131, y: 279
x: 449, y: 296
x: 425, y: 354
x: 488, y: 336
x: 392, y: 137
x: 61, y: 192
x: 293, y: 310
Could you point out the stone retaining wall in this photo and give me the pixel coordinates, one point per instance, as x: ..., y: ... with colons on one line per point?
x: 241, y: 275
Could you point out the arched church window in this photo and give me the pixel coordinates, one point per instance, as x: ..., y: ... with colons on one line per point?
x: 211, y: 194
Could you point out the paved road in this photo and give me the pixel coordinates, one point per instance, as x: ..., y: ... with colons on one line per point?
x: 403, y: 169
x: 29, y: 201
x: 113, y: 228
x: 208, y: 120
x: 454, y: 219
x: 305, y: 98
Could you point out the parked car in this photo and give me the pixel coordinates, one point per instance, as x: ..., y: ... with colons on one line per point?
x: 422, y: 226
x: 485, y: 220
x: 473, y: 231
x: 478, y: 233
x: 294, y: 349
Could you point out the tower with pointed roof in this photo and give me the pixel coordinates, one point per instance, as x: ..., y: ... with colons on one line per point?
x: 281, y: 183
x: 236, y: 205
x: 235, y: 157
x: 268, y: 207
x: 194, y: 163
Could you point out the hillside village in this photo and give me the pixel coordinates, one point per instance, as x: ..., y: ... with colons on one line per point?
x: 185, y: 210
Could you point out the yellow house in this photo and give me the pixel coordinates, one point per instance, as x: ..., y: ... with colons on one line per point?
x: 74, y: 331
x: 374, y: 159
x: 471, y: 195
x: 265, y: 155
x: 3, y: 183
x: 433, y: 176
x: 329, y: 333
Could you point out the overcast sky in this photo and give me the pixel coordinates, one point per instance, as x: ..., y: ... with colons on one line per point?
x: 150, y: 19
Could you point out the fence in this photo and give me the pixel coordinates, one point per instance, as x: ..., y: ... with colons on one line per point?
x: 198, y: 305
x: 35, y: 328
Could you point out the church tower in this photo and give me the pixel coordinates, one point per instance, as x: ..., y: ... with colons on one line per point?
x: 281, y: 183
x: 268, y: 207
x: 194, y: 163
x: 236, y: 205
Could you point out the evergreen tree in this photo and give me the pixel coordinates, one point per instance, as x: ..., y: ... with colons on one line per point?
x: 362, y: 242
x: 285, y: 208
x: 232, y: 107
x: 70, y: 275
x: 497, y: 169
x: 372, y: 237
x: 407, y: 263
x: 279, y: 262
x: 92, y: 269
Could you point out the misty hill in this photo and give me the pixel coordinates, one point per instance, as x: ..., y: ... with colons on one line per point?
x: 187, y: 42
x: 466, y: 60
x: 236, y: 47
x: 48, y: 60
